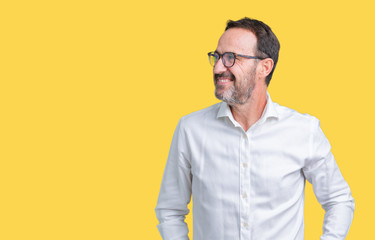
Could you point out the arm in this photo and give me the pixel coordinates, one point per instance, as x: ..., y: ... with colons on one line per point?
x: 175, y: 191
x: 330, y: 188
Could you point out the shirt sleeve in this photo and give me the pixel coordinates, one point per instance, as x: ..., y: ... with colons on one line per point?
x: 330, y: 188
x: 175, y: 191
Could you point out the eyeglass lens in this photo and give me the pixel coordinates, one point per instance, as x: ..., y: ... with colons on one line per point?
x: 227, y: 58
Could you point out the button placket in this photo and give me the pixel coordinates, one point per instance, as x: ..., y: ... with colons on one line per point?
x: 244, y: 187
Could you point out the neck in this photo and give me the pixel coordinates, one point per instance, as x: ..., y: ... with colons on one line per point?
x: 250, y: 112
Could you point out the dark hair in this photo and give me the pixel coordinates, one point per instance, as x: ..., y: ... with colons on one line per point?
x: 268, y: 45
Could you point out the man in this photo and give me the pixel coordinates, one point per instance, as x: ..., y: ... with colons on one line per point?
x: 245, y: 160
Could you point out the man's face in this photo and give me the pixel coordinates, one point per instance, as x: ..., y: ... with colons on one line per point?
x: 235, y: 84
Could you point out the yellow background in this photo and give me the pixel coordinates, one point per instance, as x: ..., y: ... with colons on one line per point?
x: 91, y: 92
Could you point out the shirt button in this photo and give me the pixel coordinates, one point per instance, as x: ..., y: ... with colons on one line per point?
x: 244, y: 195
x: 244, y: 165
x: 245, y: 224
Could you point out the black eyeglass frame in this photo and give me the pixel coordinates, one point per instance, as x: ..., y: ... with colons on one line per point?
x: 235, y: 57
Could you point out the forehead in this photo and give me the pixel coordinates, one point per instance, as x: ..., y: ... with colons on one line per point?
x: 237, y: 40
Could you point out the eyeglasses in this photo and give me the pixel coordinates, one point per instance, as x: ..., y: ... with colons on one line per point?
x: 228, y: 58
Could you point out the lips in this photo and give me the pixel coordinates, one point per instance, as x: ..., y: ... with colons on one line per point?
x: 224, y: 78
x: 223, y: 81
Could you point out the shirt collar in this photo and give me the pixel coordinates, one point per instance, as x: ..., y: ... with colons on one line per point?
x: 269, y: 111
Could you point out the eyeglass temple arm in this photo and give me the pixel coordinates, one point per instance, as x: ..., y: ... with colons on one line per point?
x: 250, y: 57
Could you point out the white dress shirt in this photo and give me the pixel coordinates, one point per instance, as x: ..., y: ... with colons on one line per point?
x: 250, y: 185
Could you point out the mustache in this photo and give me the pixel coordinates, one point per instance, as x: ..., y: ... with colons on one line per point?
x: 224, y: 75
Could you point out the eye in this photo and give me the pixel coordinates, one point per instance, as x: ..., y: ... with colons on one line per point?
x: 230, y: 56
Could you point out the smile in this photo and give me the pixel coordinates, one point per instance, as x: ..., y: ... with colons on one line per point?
x: 223, y: 81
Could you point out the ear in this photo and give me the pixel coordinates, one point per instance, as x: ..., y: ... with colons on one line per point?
x: 265, y: 67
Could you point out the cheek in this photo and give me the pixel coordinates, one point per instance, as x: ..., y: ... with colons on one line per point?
x: 237, y: 73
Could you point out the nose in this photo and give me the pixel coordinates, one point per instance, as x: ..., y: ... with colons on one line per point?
x: 219, y: 67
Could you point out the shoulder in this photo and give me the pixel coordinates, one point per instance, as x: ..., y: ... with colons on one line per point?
x: 205, y: 115
x: 295, y: 118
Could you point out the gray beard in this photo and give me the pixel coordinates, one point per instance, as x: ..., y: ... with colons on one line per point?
x: 233, y: 96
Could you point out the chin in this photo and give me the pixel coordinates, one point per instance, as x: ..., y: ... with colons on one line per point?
x: 219, y: 95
